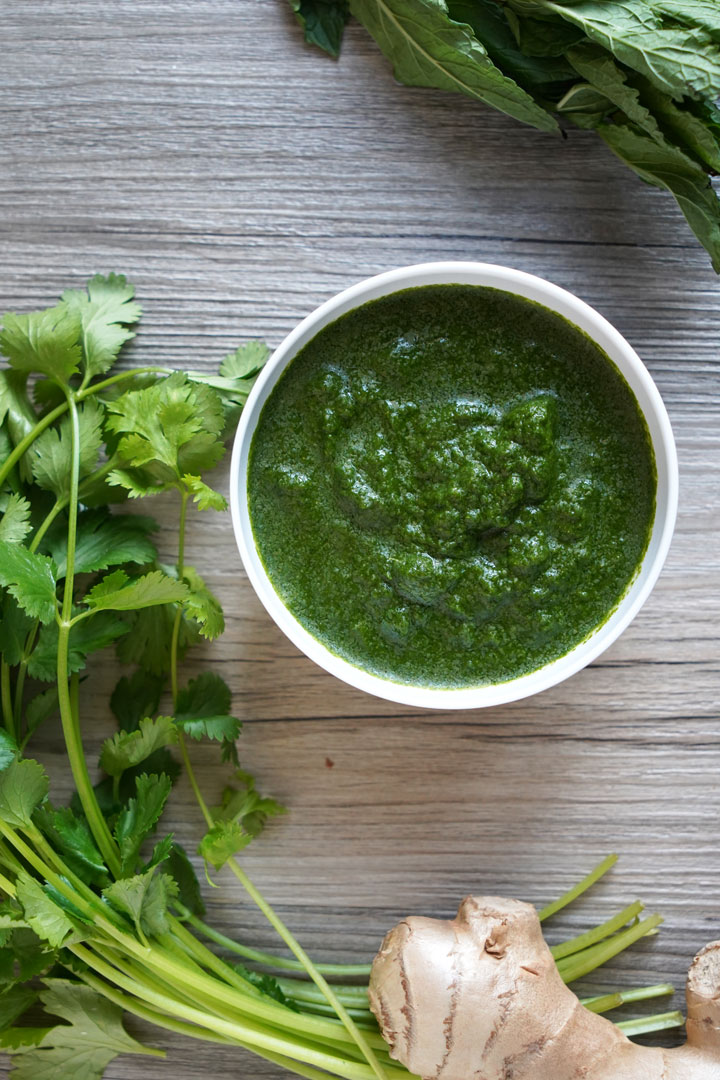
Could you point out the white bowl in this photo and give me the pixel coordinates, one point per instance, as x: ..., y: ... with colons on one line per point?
x: 625, y: 359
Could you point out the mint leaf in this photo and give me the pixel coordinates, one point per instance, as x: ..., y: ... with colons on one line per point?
x: 144, y: 898
x: 205, y: 497
x: 140, y: 816
x: 679, y: 61
x: 51, y: 453
x: 427, y: 48
x: 23, y: 787
x: 181, y: 870
x: 83, y: 1047
x: 104, y: 540
x: 15, y: 522
x: 128, y: 748
x: 323, y: 22
x: 49, y: 921
x: 135, y: 697
x: 118, y: 592
x: 202, y: 605
x: 666, y: 166
x: 30, y: 578
x: 222, y: 841
x: 86, y: 637
x: 44, y: 341
x: 202, y: 709
x: 105, y: 311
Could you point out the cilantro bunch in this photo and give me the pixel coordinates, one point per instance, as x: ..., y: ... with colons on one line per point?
x: 643, y: 74
x: 100, y: 908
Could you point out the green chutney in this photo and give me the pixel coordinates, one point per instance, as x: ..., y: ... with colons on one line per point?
x: 451, y: 486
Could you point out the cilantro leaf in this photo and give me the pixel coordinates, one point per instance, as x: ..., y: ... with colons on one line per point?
x: 135, y: 697
x: 18, y: 415
x: 47, y: 919
x: 249, y: 359
x: 128, y: 748
x: 14, y: 628
x: 71, y: 835
x: 150, y: 635
x: 51, y: 453
x: 83, y: 1047
x: 105, y: 311
x: 30, y: 578
x: 139, y: 818
x: 43, y: 341
x: 104, y: 540
x: 181, y: 870
x: 160, y: 853
x: 40, y: 708
x: 8, y: 749
x: 118, y: 592
x: 267, y: 984
x: 222, y: 841
x: 323, y: 22
x: 202, y: 605
x: 14, y: 1005
x: 86, y: 637
x: 246, y: 806
x: 144, y: 898
x: 167, y: 429
x: 203, y: 707
x: 205, y: 497
x: 15, y: 522
x: 23, y: 787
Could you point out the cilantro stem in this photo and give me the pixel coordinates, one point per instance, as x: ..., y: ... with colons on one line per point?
x: 73, y: 741
x: 270, y: 959
x: 246, y: 1033
x: 582, y: 963
x: 598, y: 933
x: 6, y: 697
x: 577, y: 890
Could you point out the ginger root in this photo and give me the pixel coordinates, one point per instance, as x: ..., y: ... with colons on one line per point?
x: 480, y: 998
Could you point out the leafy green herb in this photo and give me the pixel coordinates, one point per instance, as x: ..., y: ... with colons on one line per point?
x: 323, y: 22
x: 84, y: 1046
x: 644, y: 73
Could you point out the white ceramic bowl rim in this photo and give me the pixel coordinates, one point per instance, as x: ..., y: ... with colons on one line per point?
x: 625, y: 359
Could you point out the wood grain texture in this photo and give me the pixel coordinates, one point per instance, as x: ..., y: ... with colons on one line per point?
x: 240, y: 178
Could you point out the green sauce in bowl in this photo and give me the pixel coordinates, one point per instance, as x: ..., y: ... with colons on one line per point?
x: 451, y: 486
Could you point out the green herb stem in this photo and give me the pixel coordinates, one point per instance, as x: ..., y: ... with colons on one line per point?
x: 644, y: 1025
x: 271, y: 960
x: 6, y: 697
x: 12, y: 459
x: 73, y: 741
x: 574, y: 967
x: 577, y: 890
x: 598, y: 933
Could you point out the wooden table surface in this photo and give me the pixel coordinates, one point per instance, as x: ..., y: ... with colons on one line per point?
x: 240, y: 178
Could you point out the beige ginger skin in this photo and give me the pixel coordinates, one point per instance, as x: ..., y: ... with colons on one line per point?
x: 480, y: 998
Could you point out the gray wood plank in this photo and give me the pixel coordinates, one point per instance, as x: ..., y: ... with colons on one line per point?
x: 240, y: 179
